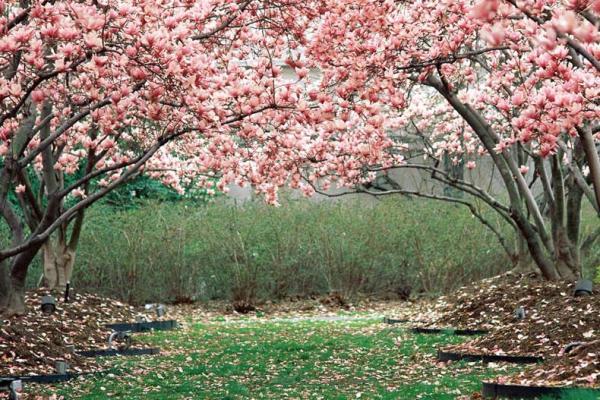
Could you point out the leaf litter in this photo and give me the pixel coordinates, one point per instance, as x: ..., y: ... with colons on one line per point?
x: 528, y: 316
x: 33, y: 343
x: 553, y: 320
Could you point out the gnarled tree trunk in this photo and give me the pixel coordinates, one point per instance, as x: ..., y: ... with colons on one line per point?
x: 59, y: 256
x: 522, y: 261
x: 19, y: 265
x: 568, y: 264
x: 58, y: 261
x: 15, y: 300
x: 15, y: 295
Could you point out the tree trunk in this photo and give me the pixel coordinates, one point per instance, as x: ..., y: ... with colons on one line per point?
x: 58, y: 261
x: 567, y: 271
x: 4, y: 286
x: 12, y: 293
x: 593, y: 160
x: 523, y: 263
x: 568, y: 264
x: 573, y: 229
x: 15, y: 301
x: 18, y: 272
x: 537, y: 239
x: 59, y: 256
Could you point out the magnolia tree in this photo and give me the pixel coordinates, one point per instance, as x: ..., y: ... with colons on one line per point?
x: 104, y: 90
x: 516, y: 83
x: 94, y: 93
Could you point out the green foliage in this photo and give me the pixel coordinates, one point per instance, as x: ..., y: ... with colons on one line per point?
x: 300, y: 359
x: 133, y: 193
x: 141, y: 189
x: 590, y: 223
x: 184, y: 251
x: 574, y: 394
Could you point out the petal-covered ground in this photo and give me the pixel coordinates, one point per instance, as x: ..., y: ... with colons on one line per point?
x: 317, y: 348
x: 32, y: 344
x: 347, y: 357
x: 555, y: 324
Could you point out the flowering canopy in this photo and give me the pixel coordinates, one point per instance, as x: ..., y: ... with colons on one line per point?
x: 513, y: 61
x: 118, y: 81
x: 193, y: 92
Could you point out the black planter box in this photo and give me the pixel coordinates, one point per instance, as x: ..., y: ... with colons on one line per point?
x: 583, y: 287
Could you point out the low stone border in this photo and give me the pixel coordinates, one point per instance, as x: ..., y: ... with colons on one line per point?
x: 487, y: 358
x: 449, y: 331
x: 5, y: 381
x: 136, y: 327
x: 116, y: 352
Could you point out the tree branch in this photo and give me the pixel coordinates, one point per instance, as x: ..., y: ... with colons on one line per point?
x: 575, y: 45
x: 593, y: 160
x: 470, y: 206
x: 452, y: 58
x: 225, y: 23
x: 59, y: 131
x: 460, y: 184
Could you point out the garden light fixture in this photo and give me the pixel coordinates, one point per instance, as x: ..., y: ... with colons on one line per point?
x: 61, y: 367
x: 520, y: 312
x: 583, y: 288
x: 48, y: 304
x: 15, y: 388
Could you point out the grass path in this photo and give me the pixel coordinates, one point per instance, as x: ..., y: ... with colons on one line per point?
x: 338, y: 359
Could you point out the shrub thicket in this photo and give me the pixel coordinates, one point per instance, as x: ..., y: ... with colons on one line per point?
x: 183, y: 251
x: 178, y: 252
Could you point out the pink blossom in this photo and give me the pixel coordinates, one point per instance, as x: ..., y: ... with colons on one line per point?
x: 92, y: 40
x: 79, y: 193
x: 302, y: 72
x: 484, y: 9
x: 37, y: 96
x: 566, y: 22
x: 495, y: 36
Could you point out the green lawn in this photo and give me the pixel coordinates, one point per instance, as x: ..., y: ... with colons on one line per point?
x: 300, y: 360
